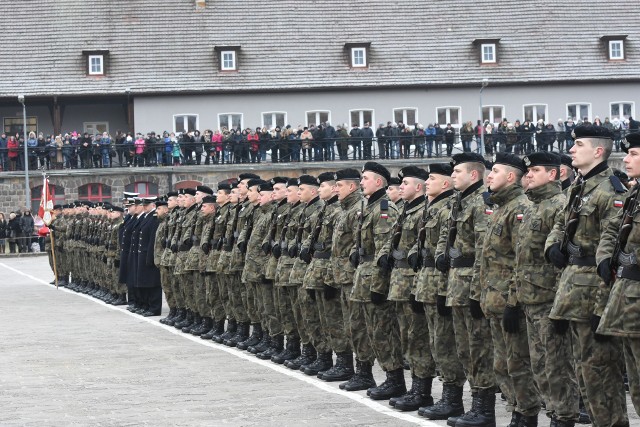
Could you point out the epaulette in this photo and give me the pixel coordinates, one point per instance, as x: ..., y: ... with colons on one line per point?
x: 617, y: 184
x: 384, y: 205
x: 485, y: 196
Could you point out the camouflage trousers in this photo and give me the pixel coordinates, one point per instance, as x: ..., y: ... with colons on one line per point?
x: 174, y: 284
x: 237, y: 296
x: 251, y: 304
x: 418, y: 350
x: 299, y: 298
x: 442, y: 340
x: 333, y: 320
x: 286, y: 299
x: 187, y: 288
x: 310, y: 311
x: 551, y: 363
x: 598, y: 368
x: 214, y: 303
x: 270, y: 319
x: 632, y: 358
x: 200, y: 302
x: 384, y: 333
x: 223, y: 293
x: 474, y: 344
x: 165, y: 283
x: 356, y: 327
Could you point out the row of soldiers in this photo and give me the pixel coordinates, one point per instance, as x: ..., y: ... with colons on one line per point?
x: 535, y: 290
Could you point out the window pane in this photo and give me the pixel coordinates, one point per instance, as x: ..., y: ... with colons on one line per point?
x: 367, y: 116
x: 486, y: 114
x: 311, y: 117
x: 179, y: 123
x: 267, y: 120
x: 411, y: 117
x: 398, y: 115
x: 626, y: 110
x: 95, y: 189
x: 615, y: 110
x: 442, y: 116
x: 541, y: 113
x: 497, y: 114
x: 224, y: 121
x: 584, y: 111
x: 280, y: 119
x: 454, y: 118
x: 324, y: 117
x: 355, y: 118
x: 528, y: 113
x: 191, y: 123
x: 571, y: 111
x: 236, y: 120
x: 83, y: 191
x: 141, y: 187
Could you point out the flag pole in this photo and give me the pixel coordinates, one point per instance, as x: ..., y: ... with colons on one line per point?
x: 46, y: 218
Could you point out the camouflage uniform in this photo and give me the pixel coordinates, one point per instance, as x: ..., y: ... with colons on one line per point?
x: 167, y: 259
x: 246, y: 216
x: 270, y: 305
x: 182, y: 241
x: 236, y: 310
x: 497, y: 276
x: 217, y: 293
x: 196, y: 291
x: 534, y: 290
x: 581, y: 294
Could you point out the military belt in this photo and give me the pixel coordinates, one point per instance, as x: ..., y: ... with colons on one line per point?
x: 429, y: 262
x: 318, y: 246
x: 631, y: 272
x: 227, y: 248
x: 463, y: 261
x: 366, y: 258
x: 322, y: 254
x: 582, y: 261
x: 626, y: 259
x: 402, y: 263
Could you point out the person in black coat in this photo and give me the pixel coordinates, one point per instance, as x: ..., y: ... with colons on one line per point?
x: 124, y: 236
x: 135, y: 305
x: 147, y: 274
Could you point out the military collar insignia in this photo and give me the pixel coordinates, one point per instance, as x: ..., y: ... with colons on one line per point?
x: 626, y: 143
x: 495, y: 158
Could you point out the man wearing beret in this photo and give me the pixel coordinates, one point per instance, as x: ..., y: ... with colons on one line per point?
x: 411, y: 320
x: 497, y: 274
x: 371, y: 282
x: 393, y: 192
x: 167, y: 260
x: 621, y: 315
x: 596, y: 198
x: 459, y: 252
x: 567, y: 173
x: 431, y: 290
x: 534, y: 289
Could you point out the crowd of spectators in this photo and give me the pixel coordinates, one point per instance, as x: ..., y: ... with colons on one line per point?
x: 19, y: 232
x: 314, y: 143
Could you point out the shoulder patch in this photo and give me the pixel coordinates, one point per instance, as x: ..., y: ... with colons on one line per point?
x: 617, y: 184
x: 486, y: 197
x: 384, y: 204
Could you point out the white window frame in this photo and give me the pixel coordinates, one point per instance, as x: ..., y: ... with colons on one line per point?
x: 534, y: 119
x: 186, y: 121
x: 611, y: 44
x: 234, y: 65
x: 317, y: 114
x: 576, y: 104
x: 94, y: 125
x: 620, y: 104
x: 448, y: 116
x: 361, y: 120
x: 100, y: 59
x: 230, y: 119
x: 404, y: 115
x: 364, y: 57
x: 492, y: 118
x: 491, y: 60
x: 273, y: 118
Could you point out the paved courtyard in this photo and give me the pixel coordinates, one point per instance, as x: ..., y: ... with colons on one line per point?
x: 68, y: 359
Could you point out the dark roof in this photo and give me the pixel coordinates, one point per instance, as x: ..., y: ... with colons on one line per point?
x: 168, y: 46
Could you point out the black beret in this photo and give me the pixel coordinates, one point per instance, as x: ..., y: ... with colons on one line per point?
x: 566, y: 160
x: 541, y: 158
x: 413, y: 172
x: 204, y: 189
x: 56, y: 207
x: 234, y: 185
x: 190, y: 191
x: 116, y: 209
x: 255, y: 181
x: 265, y: 186
x: 292, y: 182
x: 394, y: 182
x: 509, y: 159
x: 326, y: 176
x: 209, y: 199
x: 224, y: 186
x: 244, y: 176
x: 631, y: 141
x: 308, y: 180
x: 347, y: 174
x: 591, y: 131
x: 488, y: 164
x: 440, y: 169
x: 621, y: 175
x: 149, y: 200
x: 279, y: 180
x: 460, y: 158
x: 172, y: 194
x: 377, y: 168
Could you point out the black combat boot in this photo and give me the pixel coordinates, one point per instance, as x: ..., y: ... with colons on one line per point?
x: 362, y: 379
x: 122, y: 299
x: 232, y: 328
x: 215, y: 328
x: 253, y: 339
x: 276, y: 346
x: 475, y: 405
x: 341, y: 371
x: 207, y: 324
x: 450, y: 405
x: 181, y: 313
x: 241, y: 335
x: 62, y: 282
x: 323, y: 362
x: 290, y: 352
x: 188, y: 320
x: 171, y: 315
x: 392, y: 387
x: 559, y: 423
x: 197, y: 320
x: 421, y: 395
x: 528, y: 421
x: 515, y: 419
x: 307, y: 356
x: 263, y: 345
x: 485, y: 413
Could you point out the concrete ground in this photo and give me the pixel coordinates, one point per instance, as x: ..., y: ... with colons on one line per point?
x: 68, y: 359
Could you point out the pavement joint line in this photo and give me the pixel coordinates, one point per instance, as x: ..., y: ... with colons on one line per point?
x: 363, y: 400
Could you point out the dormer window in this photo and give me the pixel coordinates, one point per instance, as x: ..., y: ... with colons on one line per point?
x: 227, y: 57
x: 96, y: 62
x: 614, y: 46
x: 488, y: 49
x: 358, y: 54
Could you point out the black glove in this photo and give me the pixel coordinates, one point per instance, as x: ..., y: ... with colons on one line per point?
x: 441, y: 264
x: 354, y: 259
x: 188, y: 244
x: 206, y: 248
x: 104, y: 259
x: 312, y: 294
x: 416, y: 306
x: 116, y: 263
x: 595, y: 321
x: 293, y: 251
x: 414, y: 262
x: 385, y: 263
x: 561, y: 326
x: 511, y: 319
x: 604, y: 271
x: 377, y: 298
x: 555, y: 255
x: 441, y: 305
x: 163, y: 243
x: 305, y: 255
x: 242, y: 246
x: 52, y: 227
x: 276, y: 250
x: 330, y: 292
x: 265, y: 248
x: 174, y: 248
x: 184, y: 247
x: 476, y: 310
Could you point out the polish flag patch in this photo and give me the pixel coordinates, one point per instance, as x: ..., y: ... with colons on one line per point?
x: 488, y: 211
x: 618, y: 204
x: 519, y: 216
x: 384, y: 216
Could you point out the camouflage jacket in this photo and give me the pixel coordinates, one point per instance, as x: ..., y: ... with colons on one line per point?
x: 497, y: 268
x: 306, y: 222
x: 285, y: 262
x: 536, y: 279
x: 319, y: 270
x: 276, y: 225
x: 581, y: 292
x: 255, y: 259
x: 224, y: 259
x: 407, y: 225
x: 195, y: 254
x: 343, y: 239
x: 159, y: 237
x: 429, y: 282
x: 376, y: 219
x: 182, y: 237
x: 219, y: 226
x: 173, y: 220
x: 471, y: 222
x: 237, y: 257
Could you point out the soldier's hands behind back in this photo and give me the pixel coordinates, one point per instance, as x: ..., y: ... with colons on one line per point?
x: 441, y: 305
x: 353, y: 259
x: 476, y: 310
x: 305, y: 255
x: 413, y: 262
x: 416, y: 306
x: 265, y: 247
x: 441, y: 264
x: 511, y: 319
x: 561, y: 326
x: 384, y: 262
x: 604, y: 271
x: 330, y: 293
x: 555, y: 255
x: 377, y: 298
x: 595, y: 321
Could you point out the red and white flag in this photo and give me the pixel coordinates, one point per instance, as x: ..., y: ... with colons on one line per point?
x: 46, y: 204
